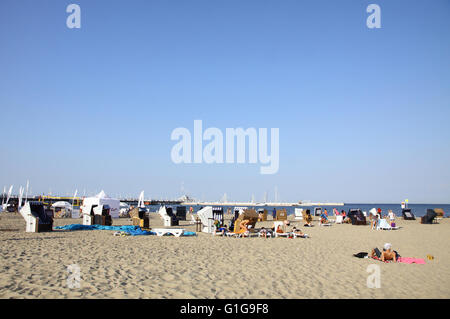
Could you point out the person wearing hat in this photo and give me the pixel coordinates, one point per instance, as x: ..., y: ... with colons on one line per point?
x: 387, y: 254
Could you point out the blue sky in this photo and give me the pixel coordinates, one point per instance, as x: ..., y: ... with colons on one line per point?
x: 363, y: 113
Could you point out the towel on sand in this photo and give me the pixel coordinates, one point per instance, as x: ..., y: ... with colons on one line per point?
x: 132, y: 230
x: 411, y: 260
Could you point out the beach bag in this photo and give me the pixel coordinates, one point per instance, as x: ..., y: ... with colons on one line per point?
x: 392, y: 224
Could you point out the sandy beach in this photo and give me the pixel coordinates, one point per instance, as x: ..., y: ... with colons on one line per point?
x: 34, y: 265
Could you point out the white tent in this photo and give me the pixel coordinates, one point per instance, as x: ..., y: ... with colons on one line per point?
x: 124, y: 205
x: 66, y: 205
x: 101, y: 199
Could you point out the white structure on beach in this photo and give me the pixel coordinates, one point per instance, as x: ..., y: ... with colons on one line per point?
x: 101, y: 199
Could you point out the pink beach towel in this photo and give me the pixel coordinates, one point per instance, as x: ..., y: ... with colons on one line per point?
x: 410, y: 260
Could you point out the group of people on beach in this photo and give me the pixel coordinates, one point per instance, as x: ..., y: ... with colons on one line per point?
x: 244, y: 229
x: 375, y: 218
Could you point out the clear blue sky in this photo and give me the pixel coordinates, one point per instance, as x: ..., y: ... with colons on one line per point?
x: 363, y: 113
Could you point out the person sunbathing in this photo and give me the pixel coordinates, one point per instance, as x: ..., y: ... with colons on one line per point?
x: 386, y: 254
x: 219, y: 229
x: 263, y: 232
x: 279, y: 229
x: 244, y: 226
x: 299, y: 233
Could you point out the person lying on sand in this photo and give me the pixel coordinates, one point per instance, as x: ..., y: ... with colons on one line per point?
x: 263, y: 232
x: 299, y: 233
x: 386, y: 254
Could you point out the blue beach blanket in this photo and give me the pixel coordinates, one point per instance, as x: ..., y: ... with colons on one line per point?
x: 132, y: 230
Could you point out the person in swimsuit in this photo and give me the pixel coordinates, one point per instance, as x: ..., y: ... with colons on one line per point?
x: 386, y: 254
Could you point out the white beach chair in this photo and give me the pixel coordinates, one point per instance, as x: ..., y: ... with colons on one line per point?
x: 339, y: 219
x: 33, y: 212
x: 298, y: 212
x: 276, y: 224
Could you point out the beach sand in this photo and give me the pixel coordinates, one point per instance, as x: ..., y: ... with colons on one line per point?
x: 34, y: 265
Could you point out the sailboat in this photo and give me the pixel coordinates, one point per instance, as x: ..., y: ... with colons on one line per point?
x: 5, y: 205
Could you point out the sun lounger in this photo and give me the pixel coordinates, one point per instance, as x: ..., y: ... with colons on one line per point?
x: 278, y: 224
x: 177, y: 232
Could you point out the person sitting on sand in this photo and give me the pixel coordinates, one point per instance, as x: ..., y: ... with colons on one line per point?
x: 324, y: 219
x: 299, y: 233
x: 391, y: 216
x: 244, y: 226
x: 373, y: 221
x: 279, y: 229
x: 347, y: 219
x: 308, y: 219
x: 387, y: 254
x: 218, y: 228
x: 380, y: 215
